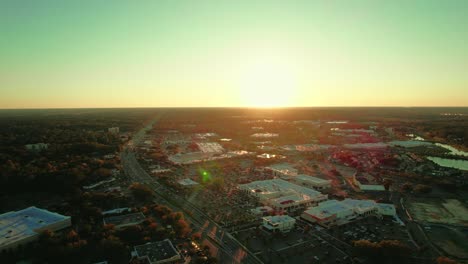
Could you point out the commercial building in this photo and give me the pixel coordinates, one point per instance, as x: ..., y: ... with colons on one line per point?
x: 92, y: 186
x: 368, y: 187
x: 157, y: 252
x: 117, y: 211
x: 24, y: 226
x: 311, y: 182
x: 175, y: 139
x: 282, y: 195
x: 278, y: 223
x: 37, y: 147
x: 386, y: 209
x: 188, y: 158
x: 265, y: 135
x: 121, y: 221
x: 210, y: 147
x: 333, y: 212
x: 281, y: 170
x: 262, y: 210
x: 194, y: 157
x: 270, y: 156
x: 188, y: 182
x: 113, y: 130
x: 204, y: 135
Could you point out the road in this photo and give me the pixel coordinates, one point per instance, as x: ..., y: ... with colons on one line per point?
x: 229, y: 249
x: 417, y: 235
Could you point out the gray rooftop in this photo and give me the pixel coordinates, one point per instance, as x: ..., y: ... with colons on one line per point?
x: 157, y: 251
x: 125, y: 220
x: 18, y: 225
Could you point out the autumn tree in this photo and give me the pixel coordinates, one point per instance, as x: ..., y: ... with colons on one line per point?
x: 113, y: 250
x: 422, y: 188
x: 407, y: 187
x: 445, y: 260
x: 389, y: 250
x: 141, y: 192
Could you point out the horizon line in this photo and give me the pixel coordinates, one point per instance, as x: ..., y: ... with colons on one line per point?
x: 222, y: 107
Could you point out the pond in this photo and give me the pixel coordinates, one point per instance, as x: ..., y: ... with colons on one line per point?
x: 452, y: 150
x: 409, y: 143
x: 451, y: 163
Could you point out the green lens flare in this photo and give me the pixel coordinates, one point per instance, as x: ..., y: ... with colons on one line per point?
x: 206, y: 176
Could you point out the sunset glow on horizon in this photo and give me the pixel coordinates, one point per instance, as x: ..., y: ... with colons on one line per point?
x: 233, y: 54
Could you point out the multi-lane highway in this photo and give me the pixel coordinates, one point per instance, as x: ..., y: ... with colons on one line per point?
x: 227, y: 248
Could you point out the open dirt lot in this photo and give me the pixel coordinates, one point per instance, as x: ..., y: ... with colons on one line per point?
x: 454, y: 241
x: 448, y: 211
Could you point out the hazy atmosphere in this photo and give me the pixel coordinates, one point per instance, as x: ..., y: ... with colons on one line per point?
x: 65, y: 54
x: 233, y: 132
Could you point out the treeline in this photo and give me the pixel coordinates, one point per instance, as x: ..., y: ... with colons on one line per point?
x: 77, y: 142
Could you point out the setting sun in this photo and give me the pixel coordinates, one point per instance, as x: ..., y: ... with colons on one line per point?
x: 268, y: 83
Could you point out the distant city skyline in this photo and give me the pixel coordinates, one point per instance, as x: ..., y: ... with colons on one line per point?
x: 90, y: 54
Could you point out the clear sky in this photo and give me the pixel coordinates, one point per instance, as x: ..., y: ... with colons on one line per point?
x: 233, y: 53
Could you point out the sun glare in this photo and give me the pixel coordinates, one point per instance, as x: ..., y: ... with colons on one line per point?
x: 268, y: 84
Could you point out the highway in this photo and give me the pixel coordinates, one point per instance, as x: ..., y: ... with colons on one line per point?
x: 229, y: 249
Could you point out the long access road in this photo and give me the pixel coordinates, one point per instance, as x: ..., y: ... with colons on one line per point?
x: 229, y: 249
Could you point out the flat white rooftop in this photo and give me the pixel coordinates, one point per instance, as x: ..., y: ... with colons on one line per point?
x: 269, y: 156
x: 204, y: 135
x: 210, y: 147
x: 293, y: 198
x: 116, y: 211
x: 314, y: 180
x: 15, y: 226
x: 333, y: 207
x: 385, y: 206
x: 328, y: 208
x: 265, y: 135
x: 187, y: 182
x: 284, y: 168
x: 277, y: 219
x: 361, y: 204
x: 125, y: 220
x: 279, y: 187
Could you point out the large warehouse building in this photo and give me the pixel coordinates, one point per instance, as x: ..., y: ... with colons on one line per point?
x: 333, y: 212
x: 281, y: 170
x: 282, y: 195
x: 278, y: 223
x: 311, y: 182
x: 24, y: 226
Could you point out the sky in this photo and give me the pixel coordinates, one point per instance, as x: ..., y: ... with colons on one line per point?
x: 169, y: 53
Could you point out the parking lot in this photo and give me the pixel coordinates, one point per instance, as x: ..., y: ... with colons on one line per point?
x: 314, y: 244
x: 372, y: 229
x: 297, y: 246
